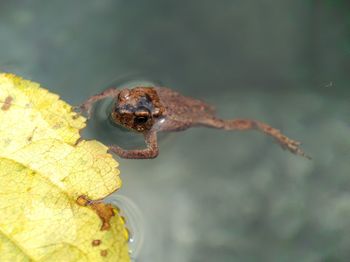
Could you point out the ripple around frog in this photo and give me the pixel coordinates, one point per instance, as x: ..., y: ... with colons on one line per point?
x: 100, y: 126
x: 134, y: 222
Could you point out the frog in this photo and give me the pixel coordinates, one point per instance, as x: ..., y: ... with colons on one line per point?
x: 148, y: 110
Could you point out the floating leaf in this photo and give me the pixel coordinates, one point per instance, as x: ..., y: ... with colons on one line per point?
x: 50, y: 181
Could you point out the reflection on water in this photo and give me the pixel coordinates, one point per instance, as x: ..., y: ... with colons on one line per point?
x: 133, y: 219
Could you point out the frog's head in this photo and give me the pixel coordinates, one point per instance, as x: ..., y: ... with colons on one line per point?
x: 137, y: 109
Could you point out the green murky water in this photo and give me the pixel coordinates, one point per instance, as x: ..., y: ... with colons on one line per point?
x: 212, y: 195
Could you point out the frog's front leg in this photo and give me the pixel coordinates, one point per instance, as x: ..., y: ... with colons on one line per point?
x: 150, y: 152
x: 87, y: 105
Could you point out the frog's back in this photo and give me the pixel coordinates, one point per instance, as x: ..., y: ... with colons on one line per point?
x: 182, y: 107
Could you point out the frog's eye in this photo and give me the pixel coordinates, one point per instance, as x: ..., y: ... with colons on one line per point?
x: 139, y: 120
x: 141, y: 116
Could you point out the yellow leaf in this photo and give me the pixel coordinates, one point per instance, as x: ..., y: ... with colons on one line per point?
x: 48, y: 178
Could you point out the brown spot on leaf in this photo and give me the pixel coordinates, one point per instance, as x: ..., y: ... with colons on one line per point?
x: 104, y: 211
x: 96, y: 242
x: 104, y: 252
x: 7, y: 103
x: 82, y: 201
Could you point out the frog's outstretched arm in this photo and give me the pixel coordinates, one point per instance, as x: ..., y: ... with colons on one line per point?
x: 150, y: 152
x: 86, y: 107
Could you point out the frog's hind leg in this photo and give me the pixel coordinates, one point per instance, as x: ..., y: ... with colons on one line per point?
x: 248, y: 124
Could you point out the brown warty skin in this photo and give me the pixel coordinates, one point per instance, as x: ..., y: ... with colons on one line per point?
x: 148, y: 110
